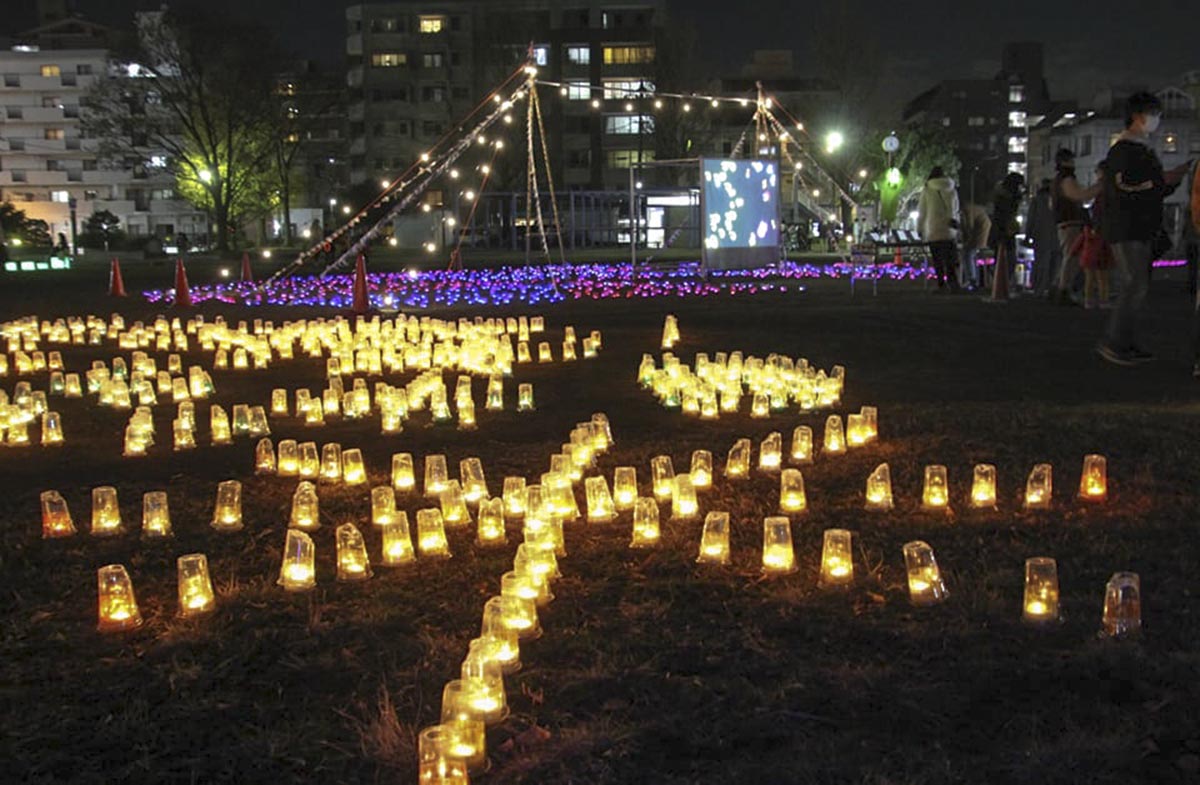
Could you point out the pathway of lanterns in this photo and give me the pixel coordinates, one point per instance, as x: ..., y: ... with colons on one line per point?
x: 449, y: 750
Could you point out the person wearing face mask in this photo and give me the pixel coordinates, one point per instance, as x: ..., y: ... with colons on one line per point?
x: 1132, y: 222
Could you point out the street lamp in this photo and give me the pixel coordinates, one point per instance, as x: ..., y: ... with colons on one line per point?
x: 834, y: 141
x: 205, y: 176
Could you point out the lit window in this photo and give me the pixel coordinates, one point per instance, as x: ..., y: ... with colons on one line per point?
x: 578, y: 91
x: 579, y: 55
x: 157, y: 162
x: 1016, y: 145
x: 432, y: 24
x: 389, y: 59
x: 1170, y: 143
x: 628, y: 124
x: 616, y: 89
x: 51, y: 70
x: 541, y: 55
x: 623, y: 159
x: 1016, y: 94
x: 55, y: 133
x: 1018, y: 167
x: 628, y: 55
x: 61, y: 197
x: 432, y: 60
x: 1016, y: 119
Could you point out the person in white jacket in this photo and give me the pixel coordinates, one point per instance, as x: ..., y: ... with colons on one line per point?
x: 938, y: 221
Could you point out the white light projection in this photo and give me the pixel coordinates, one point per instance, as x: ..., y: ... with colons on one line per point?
x: 741, y: 200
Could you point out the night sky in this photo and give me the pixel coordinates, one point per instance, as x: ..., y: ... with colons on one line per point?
x: 1090, y: 44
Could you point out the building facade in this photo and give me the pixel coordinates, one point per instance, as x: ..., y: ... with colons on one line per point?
x: 416, y: 68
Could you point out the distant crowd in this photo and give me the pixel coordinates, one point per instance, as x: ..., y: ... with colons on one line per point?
x: 1085, y: 238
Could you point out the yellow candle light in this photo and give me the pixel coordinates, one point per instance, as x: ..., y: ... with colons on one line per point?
x: 1093, y: 482
x: 156, y: 515
x: 431, y: 534
x: 662, y: 476
x: 298, y: 571
x: 525, y: 397
x: 227, y: 513
x: 464, y: 726
x: 310, y: 461
x: 331, y: 462
x: 525, y: 586
x: 490, y: 531
x: 760, y: 407
x: 118, y: 605
x: 306, y: 507
x: 701, y: 469
x: 454, y: 506
x: 279, y: 402
x: 353, y: 563
x: 437, y: 477
x: 195, y: 585
x: 397, y: 541
x: 936, y: 493
x: 496, y: 645
x: 264, y: 457
x: 670, y: 334
x: 354, y: 471
x: 184, y: 436
x: 837, y: 560
x: 544, y: 355
x: 770, y: 453
x: 792, y: 498
x: 106, y: 512
x: 314, y: 415
x: 518, y: 615
x: 514, y: 497
x: 646, y: 531
x: 483, y: 676
x: 684, y: 505
x: 383, y: 505
x: 779, y: 556
x: 474, y: 484
x: 714, y: 541
x: 870, y: 417
x: 219, y: 425
x: 835, y: 440
x: 52, y: 432
x: 56, y: 517
x: 1041, y: 590
x: 1039, y: 488
x: 1122, y: 605
x: 802, y: 445
x: 600, y: 506
x: 983, y: 487
x: 241, y: 419
x: 288, y: 462
x: 737, y: 464
x: 879, y: 489
x: 925, y: 585
x: 403, y: 477
x: 857, y: 434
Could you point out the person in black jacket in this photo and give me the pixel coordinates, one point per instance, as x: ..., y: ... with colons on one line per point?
x: 1132, y: 222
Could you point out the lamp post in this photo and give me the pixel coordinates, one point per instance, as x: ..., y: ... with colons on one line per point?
x: 73, y: 203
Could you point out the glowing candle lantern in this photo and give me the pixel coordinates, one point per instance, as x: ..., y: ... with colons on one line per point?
x: 662, y: 476
x: 670, y: 334
x: 106, y: 513
x: 454, y: 506
x: 544, y: 355
x: 770, y: 453
x: 879, y: 489
x: 314, y: 415
x: 331, y: 462
x: 523, y: 355
x: 241, y: 419
x: 464, y: 725
x: 118, y: 605
x: 219, y: 425
x: 561, y: 502
x: 495, y: 394
x: 484, y: 676
x: 52, y: 433
x: 684, y: 505
x: 227, y: 513
x: 264, y: 457
x: 397, y: 541
x: 383, y: 505
x: 568, y: 351
x: 779, y: 556
x: 936, y: 494
x: 496, y: 645
x: 303, y: 401
x: 1039, y: 488
x: 353, y: 564
x: 518, y: 615
x: 56, y: 517
x: 298, y: 570
x: 431, y: 534
x: 537, y: 559
x: 258, y: 422
x: 857, y: 434
x: 835, y: 440
x: 156, y: 515
x: 135, y: 441
x: 525, y: 397
x: 983, y: 487
x: 195, y: 585
x: 925, y: 584
x: 491, y: 523
x: 403, y: 477
x: 354, y: 471
x: 792, y: 498
x: 1122, y: 605
x: 436, y: 475
x: 714, y: 541
x: 306, y: 507
x: 525, y: 586
x: 600, y: 507
x: 837, y: 560
x: 870, y: 420
x: 279, y: 402
x: 71, y: 386
x: 1093, y: 482
x: 646, y: 531
x: 514, y: 497
x: 1041, y: 590
x: 737, y: 464
x: 760, y: 407
x: 701, y: 469
x: 310, y: 461
x: 184, y: 436
x: 474, y: 484
x: 437, y: 764
x: 288, y: 463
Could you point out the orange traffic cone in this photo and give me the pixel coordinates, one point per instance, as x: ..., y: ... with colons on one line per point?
x: 361, y: 304
x: 898, y: 257
x: 247, y: 273
x: 183, y: 294
x: 116, y: 284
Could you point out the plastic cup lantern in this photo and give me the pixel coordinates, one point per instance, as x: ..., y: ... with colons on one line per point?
x: 879, y: 489
x: 1093, y: 482
x: 983, y: 487
x: 544, y: 354
x: 383, y: 505
x: 770, y: 453
x: 354, y: 471
x: 1122, y: 605
x: 431, y: 534
x: 156, y: 515
x: 779, y: 556
x: 835, y: 439
x: 227, y: 513
x: 106, y: 512
x: 646, y: 531
x: 684, y: 505
x: 403, y: 478
x: 870, y: 416
x: 662, y: 475
x: 925, y: 584
x: 118, y: 605
x: 802, y: 445
x: 525, y: 586
x: 670, y: 334
x: 437, y: 765
x: 454, y: 506
x: 837, y: 560
x: 518, y: 615
x: 219, y: 425
x: 195, y: 585
x: 52, y: 433
x: 288, y: 462
x: 310, y: 461
x: 279, y: 402
x: 331, y: 462
x: 714, y: 541
x: 737, y: 464
x: 397, y: 542
x: 1039, y: 488
x: 600, y: 506
x: 56, y: 517
x: 538, y: 559
x: 491, y: 523
x: 264, y: 457
x: 701, y: 469
x: 483, y: 675
x: 525, y: 397
x: 1041, y: 590
x: 306, y: 507
x: 436, y: 475
x: 936, y: 494
x: 352, y: 560
x: 792, y: 498
x: 464, y: 725
x: 514, y: 497
x: 474, y: 484
x: 857, y: 434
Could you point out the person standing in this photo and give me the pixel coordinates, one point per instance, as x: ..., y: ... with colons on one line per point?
x: 1068, y: 198
x: 1040, y: 227
x: 1132, y: 223
x: 976, y: 228
x: 937, y: 221
x: 1005, y: 226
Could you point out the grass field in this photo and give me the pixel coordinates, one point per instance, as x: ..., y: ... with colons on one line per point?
x: 652, y: 668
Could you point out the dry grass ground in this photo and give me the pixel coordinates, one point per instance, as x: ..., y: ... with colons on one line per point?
x: 652, y: 668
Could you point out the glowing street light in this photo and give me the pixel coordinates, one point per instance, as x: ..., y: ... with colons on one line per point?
x: 862, y: 174
x: 834, y: 141
x: 205, y: 176
x: 894, y: 177
x: 346, y: 209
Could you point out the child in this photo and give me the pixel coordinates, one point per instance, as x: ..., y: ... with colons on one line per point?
x: 1094, y: 254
